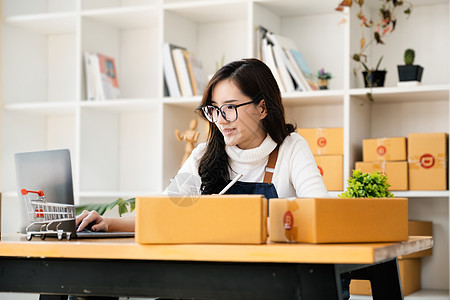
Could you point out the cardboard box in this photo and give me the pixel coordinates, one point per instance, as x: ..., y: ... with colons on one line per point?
x: 419, y: 228
x: 409, y: 277
x: 324, y: 141
x: 384, y: 149
x: 331, y: 169
x: 396, y: 171
x: 427, y: 159
x: 338, y: 220
x: 192, y: 219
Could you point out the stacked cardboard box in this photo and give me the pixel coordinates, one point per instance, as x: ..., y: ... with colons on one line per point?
x: 408, y: 265
x: 427, y: 160
x: 327, y: 146
x: 387, y: 156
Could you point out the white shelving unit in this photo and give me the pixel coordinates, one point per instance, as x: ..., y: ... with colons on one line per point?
x: 127, y: 147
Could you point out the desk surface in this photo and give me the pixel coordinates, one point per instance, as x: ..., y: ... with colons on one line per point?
x: 126, y: 248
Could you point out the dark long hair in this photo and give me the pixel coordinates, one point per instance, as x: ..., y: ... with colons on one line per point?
x: 252, y: 77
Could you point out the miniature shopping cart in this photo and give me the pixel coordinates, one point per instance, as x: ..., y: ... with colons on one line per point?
x: 48, y: 219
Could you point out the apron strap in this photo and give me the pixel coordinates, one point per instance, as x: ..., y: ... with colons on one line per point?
x: 270, y: 167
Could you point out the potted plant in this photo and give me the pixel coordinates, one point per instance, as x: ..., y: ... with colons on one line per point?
x: 374, y: 77
x: 409, y: 71
x: 323, y: 78
x: 380, y: 26
x: 366, y: 185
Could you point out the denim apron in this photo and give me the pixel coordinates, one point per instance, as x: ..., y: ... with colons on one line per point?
x: 267, y: 189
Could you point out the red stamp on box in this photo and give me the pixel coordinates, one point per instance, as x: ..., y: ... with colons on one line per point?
x: 322, y: 142
x: 427, y: 161
x: 381, y: 150
x: 320, y: 170
x: 288, y: 220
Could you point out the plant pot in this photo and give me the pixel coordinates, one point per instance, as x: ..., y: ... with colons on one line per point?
x: 410, y: 73
x: 374, y: 78
x: 323, y: 84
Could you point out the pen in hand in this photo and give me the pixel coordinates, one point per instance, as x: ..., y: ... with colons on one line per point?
x: 225, y: 189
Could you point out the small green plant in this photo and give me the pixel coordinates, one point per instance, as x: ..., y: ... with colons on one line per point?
x: 102, y: 208
x: 409, y: 56
x: 365, y: 185
x: 321, y: 74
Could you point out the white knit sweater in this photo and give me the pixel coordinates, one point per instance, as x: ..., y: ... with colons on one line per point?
x: 296, y: 173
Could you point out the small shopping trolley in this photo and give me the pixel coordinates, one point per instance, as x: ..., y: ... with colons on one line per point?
x: 48, y: 219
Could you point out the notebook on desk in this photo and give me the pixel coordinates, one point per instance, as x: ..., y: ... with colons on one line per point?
x: 51, y: 172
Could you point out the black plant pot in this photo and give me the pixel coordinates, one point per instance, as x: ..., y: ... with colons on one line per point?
x: 374, y: 78
x: 410, y: 72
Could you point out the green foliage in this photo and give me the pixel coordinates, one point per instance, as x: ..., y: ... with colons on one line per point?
x: 102, y: 208
x: 409, y: 56
x: 365, y: 185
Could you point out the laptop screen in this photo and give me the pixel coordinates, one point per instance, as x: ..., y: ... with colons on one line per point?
x: 49, y: 171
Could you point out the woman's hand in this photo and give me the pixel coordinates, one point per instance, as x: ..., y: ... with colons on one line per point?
x: 91, y: 217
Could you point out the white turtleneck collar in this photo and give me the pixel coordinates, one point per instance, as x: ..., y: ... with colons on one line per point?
x: 254, y: 155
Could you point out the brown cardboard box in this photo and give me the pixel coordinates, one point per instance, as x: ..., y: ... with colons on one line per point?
x: 419, y: 228
x: 338, y: 220
x: 227, y: 219
x: 384, y: 149
x: 409, y: 276
x: 331, y: 169
x: 396, y: 171
x: 427, y: 159
x: 324, y: 141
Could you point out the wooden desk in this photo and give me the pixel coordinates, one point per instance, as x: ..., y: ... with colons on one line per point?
x: 120, y: 267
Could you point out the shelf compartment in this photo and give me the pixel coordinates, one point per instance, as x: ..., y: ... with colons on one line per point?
x: 34, y: 132
x: 136, y: 52
x: 216, y: 32
x: 118, y: 150
x: 43, y: 63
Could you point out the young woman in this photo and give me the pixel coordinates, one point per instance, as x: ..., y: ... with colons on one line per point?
x: 248, y: 135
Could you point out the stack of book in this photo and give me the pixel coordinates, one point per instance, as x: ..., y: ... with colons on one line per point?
x: 101, y: 77
x: 183, y: 72
x: 286, y: 62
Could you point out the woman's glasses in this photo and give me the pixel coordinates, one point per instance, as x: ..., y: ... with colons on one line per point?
x: 228, y: 111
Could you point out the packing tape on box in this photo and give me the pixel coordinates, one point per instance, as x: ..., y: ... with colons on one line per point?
x: 380, y: 166
x: 320, y: 140
x: 382, y: 144
x: 428, y: 161
x: 290, y: 230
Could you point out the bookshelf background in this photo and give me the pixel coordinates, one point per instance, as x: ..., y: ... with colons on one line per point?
x: 127, y: 147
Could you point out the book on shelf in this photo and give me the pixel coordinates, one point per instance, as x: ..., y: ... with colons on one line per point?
x: 183, y: 72
x: 268, y: 58
x: 170, y: 77
x: 199, y: 80
x: 101, y: 77
x: 310, y: 78
x: 287, y: 64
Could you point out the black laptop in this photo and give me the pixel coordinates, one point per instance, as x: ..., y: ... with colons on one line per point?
x: 51, y: 172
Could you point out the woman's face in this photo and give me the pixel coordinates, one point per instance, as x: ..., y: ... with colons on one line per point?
x: 247, y: 131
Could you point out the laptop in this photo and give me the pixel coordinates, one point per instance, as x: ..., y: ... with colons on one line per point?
x: 51, y: 172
